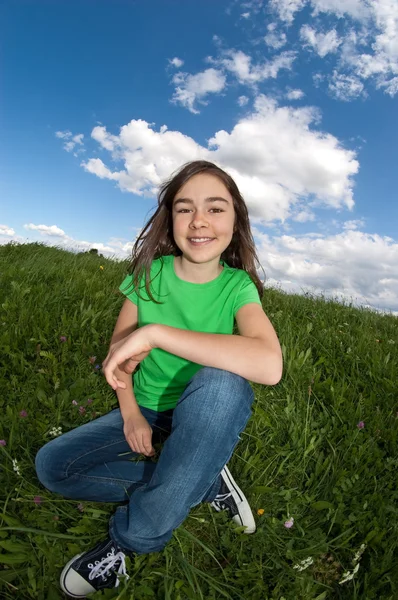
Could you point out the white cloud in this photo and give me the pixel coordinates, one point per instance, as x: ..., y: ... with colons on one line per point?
x: 70, y: 140
x: 346, y: 87
x: 239, y: 64
x: 51, y: 230
x: 64, y: 135
x: 276, y: 154
x: 349, y: 265
x: 5, y: 230
x: 354, y: 224
x: 245, y: 15
x: 304, y: 216
x: 97, y: 167
x: 275, y: 39
x: 194, y: 88
x: 243, y: 100
x: 176, y: 62
x: 286, y: 9
x: 322, y: 43
x: 107, y: 141
x: 294, y: 94
x: 367, y: 45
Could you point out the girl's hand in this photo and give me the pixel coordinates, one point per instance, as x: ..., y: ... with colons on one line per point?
x: 138, y: 434
x: 131, y: 350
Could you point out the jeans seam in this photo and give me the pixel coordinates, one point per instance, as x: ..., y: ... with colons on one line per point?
x: 68, y: 466
x: 103, y: 479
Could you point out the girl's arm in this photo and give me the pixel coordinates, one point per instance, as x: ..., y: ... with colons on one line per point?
x: 126, y: 323
x: 255, y: 354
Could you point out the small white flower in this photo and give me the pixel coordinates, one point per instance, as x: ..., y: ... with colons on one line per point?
x: 390, y: 342
x: 55, y: 431
x: 304, y: 564
x: 348, y: 576
x: 15, y: 466
x: 358, y: 554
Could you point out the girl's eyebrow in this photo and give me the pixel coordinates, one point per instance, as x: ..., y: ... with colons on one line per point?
x: 189, y: 201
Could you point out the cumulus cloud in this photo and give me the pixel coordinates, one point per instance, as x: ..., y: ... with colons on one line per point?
x: 240, y: 65
x: 322, y: 43
x: 70, y: 141
x: 52, y: 235
x: 367, y: 46
x: 276, y: 154
x: 351, y: 265
x: 6, y: 231
x: 346, y: 87
x: 286, y: 9
x: 51, y: 230
x: 354, y: 224
x: 191, y: 89
x: 294, y: 94
x: 274, y: 39
x: 243, y: 100
x: 176, y: 62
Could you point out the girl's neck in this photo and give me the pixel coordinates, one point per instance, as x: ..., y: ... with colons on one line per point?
x: 197, y: 273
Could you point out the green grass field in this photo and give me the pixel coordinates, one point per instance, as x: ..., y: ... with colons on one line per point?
x: 319, y: 452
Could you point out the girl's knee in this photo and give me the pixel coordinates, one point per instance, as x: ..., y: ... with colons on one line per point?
x: 47, y: 463
x: 232, y: 383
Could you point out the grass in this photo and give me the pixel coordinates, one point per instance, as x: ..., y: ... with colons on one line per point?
x: 320, y: 447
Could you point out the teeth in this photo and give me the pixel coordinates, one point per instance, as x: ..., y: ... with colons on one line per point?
x: 200, y: 239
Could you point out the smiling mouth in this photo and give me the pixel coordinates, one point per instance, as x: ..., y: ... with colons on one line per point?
x: 200, y: 241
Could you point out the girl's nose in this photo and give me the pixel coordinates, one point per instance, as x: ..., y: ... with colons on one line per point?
x: 199, y: 219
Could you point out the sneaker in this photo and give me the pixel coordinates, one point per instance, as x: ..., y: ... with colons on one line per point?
x: 231, y: 498
x: 94, y: 570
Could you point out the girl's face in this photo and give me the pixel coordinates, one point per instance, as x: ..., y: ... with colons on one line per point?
x: 203, y: 208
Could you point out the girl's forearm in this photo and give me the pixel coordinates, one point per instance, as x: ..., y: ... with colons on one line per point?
x: 248, y: 357
x: 126, y: 397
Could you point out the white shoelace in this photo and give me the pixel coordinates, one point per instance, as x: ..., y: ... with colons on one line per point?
x: 103, y: 567
x: 223, y: 496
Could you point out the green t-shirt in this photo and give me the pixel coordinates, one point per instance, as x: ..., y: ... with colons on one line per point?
x: 207, y: 307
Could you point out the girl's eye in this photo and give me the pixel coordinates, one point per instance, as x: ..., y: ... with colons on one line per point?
x: 218, y: 209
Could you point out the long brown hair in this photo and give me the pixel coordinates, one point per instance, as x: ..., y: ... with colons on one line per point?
x: 156, y: 238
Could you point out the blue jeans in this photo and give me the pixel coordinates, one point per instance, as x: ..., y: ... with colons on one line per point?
x: 94, y: 461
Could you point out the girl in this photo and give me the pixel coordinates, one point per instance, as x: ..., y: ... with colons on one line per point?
x: 191, y: 277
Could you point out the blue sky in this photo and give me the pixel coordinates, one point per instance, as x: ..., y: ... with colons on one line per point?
x: 297, y: 99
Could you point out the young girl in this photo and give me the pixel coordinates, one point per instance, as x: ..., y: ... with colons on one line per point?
x: 193, y: 274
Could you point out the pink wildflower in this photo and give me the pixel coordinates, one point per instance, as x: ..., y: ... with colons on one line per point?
x: 82, y: 410
x: 3, y: 443
x: 63, y: 338
x: 288, y: 524
x: 23, y: 413
x: 89, y: 400
x: 80, y: 507
x: 361, y: 425
x: 74, y: 402
x: 92, y: 359
x: 37, y: 499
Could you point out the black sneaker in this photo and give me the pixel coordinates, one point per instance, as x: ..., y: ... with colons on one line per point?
x: 94, y: 570
x: 231, y: 498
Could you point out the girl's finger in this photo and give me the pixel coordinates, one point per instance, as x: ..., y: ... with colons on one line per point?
x: 133, y: 444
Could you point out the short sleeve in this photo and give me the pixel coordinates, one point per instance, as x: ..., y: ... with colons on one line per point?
x: 127, y: 288
x: 247, y: 293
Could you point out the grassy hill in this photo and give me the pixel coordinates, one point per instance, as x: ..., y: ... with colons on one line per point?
x: 319, y: 452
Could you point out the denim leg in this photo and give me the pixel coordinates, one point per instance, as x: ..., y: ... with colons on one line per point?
x: 94, y: 461
x: 211, y: 413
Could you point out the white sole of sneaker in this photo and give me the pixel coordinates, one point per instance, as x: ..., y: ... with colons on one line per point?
x: 245, y: 516
x: 76, y: 575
